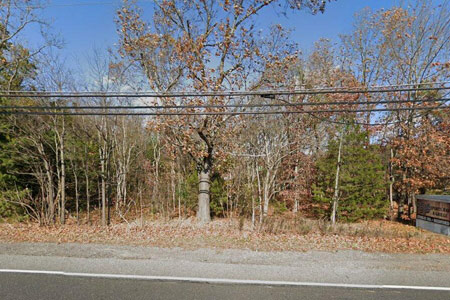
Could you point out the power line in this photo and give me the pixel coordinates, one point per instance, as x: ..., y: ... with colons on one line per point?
x: 380, y: 89
x: 97, y: 113
x: 322, y: 88
x: 288, y: 104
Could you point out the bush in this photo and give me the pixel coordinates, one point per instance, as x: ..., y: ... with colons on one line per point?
x: 11, y: 211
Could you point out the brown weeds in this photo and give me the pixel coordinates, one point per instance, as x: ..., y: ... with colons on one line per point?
x: 274, y: 234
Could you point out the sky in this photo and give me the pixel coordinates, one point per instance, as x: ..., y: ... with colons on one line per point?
x: 87, y: 24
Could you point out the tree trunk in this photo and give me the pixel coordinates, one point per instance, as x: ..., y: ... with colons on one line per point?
x: 63, y: 176
x: 266, y: 192
x: 103, y: 189
x: 99, y: 195
x: 295, y: 210
x: 77, y: 203
x: 49, y: 176
x: 141, y: 205
x: 252, y: 180
x: 156, y: 157
x: 108, y: 191
x: 51, y: 203
x: 391, y: 187
x: 172, y: 183
x: 259, y: 194
x: 401, y: 199
x: 88, y: 216
x: 118, y: 186
x: 204, y: 185
x: 336, y: 183
x: 179, y: 195
x: 104, y: 139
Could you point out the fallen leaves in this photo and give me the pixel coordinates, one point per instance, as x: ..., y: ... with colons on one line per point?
x: 378, y: 236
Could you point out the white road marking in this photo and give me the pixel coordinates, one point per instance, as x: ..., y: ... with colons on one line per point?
x: 226, y: 281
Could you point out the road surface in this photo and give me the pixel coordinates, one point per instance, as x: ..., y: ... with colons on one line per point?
x: 17, y: 286
x: 76, y: 271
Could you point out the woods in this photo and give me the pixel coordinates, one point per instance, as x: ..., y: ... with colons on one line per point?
x: 343, y: 162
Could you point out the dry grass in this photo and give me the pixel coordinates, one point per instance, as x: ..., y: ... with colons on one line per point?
x: 275, y: 234
x: 372, y: 229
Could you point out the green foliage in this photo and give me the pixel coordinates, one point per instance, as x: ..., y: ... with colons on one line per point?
x: 9, y: 210
x: 362, y: 181
x: 218, y: 196
x: 15, y: 70
x: 188, y: 191
x: 15, y: 65
x: 279, y: 207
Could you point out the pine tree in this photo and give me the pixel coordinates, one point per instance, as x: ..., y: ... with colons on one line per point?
x: 14, y: 71
x: 362, y: 180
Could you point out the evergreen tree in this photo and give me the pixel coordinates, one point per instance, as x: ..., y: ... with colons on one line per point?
x: 15, y: 70
x: 362, y: 180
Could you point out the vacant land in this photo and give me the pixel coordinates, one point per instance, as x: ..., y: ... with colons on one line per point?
x: 281, y: 234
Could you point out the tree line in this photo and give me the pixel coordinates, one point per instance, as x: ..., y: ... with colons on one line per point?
x: 340, y: 165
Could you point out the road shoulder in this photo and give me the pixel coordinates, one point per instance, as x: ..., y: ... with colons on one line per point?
x: 341, y: 267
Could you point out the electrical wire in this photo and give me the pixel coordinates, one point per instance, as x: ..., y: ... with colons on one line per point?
x: 97, y: 113
x: 289, y: 104
x: 379, y: 89
x: 365, y: 123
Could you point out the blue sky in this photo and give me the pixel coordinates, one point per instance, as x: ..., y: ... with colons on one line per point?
x: 84, y: 27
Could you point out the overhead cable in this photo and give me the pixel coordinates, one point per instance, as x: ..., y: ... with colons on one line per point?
x: 387, y: 89
x: 217, y: 106
x: 206, y: 113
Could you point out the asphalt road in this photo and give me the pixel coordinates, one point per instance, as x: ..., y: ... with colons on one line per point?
x: 16, y: 286
x: 76, y: 271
